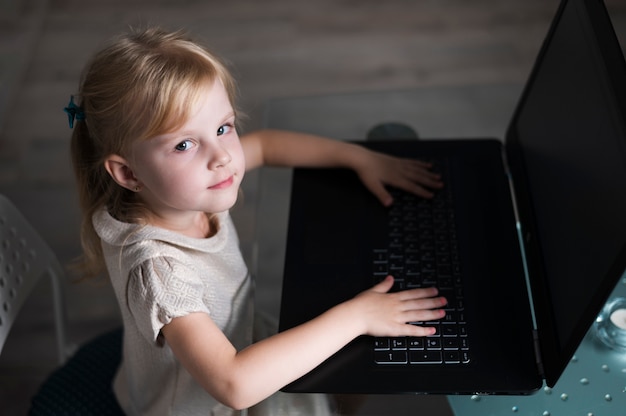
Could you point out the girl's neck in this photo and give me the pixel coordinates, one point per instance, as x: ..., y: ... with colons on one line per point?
x: 200, y: 226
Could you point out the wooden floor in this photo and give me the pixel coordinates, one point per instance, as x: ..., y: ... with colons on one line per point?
x: 277, y: 48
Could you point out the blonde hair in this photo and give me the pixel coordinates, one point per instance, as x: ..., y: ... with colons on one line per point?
x: 139, y: 86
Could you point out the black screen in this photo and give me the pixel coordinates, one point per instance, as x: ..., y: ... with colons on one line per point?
x: 570, y: 144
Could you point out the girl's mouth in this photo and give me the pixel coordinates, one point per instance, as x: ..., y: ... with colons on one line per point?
x: 224, y: 184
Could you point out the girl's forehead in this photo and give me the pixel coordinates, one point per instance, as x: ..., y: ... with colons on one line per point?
x: 210, y: 98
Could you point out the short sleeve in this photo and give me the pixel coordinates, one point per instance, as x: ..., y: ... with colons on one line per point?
x: 160, y: 289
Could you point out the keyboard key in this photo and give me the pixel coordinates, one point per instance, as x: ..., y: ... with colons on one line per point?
x: 462, y: 330
x: 464, y: 343
x: 452, y: 357
x: 433, y: 343
x: 381, y: 344
x: 398, y: 343
x: 451, y: 343
x: 390, y: 357
x: 416, y: 343
x: 449, y: 330
x: 425, y: 357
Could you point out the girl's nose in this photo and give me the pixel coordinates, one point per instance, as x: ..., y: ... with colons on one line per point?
x: 220, y: 158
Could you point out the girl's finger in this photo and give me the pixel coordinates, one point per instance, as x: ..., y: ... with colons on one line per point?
x: 384, y: 286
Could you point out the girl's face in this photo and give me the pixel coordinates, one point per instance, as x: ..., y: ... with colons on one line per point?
x: 195, y: 169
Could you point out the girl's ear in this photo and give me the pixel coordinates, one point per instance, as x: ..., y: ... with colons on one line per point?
x: 121, y: 172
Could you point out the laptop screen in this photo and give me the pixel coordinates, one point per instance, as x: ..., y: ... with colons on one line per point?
x: 567, y: 151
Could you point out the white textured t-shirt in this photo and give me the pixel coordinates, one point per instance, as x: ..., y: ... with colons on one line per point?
x: 158, y: 275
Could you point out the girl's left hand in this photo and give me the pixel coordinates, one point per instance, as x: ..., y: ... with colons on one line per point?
x: 377, y: 170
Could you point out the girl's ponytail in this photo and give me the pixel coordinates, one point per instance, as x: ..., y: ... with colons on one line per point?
x: 88, y: 174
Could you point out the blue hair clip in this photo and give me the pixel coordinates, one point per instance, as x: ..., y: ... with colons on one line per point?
x: 73, y: 112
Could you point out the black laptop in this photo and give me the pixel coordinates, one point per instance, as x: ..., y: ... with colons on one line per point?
x: 526, y: 241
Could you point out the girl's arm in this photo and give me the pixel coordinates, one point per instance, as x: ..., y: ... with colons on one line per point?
x: 241, y: 379
x: 283, y: 148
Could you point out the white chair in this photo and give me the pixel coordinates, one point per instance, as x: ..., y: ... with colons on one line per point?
x: 82, y: 383
x: 24, y: 259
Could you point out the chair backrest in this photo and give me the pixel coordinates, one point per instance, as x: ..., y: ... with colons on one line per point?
x: 24, y: 258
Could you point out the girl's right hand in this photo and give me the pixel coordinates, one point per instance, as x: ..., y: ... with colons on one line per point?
x: 388, y: 314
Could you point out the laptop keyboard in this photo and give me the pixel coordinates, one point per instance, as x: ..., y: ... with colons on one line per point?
x: 423, y: 252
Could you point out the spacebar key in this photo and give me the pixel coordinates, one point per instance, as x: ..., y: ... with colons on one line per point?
x: 425, y: 357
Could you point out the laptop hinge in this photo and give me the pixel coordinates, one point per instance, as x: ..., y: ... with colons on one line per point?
x: 520, y: 236
x: 538, y: 354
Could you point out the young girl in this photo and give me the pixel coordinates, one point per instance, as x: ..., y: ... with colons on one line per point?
x: 158, y: 163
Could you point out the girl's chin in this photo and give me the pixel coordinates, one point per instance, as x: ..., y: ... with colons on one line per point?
x: 224, y: 204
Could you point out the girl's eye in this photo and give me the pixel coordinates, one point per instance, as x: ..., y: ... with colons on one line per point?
x: 184, y: 145
x: 224, y: 129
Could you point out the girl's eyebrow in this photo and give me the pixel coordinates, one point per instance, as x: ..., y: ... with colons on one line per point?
x: 182, y: 133
x: 228, y: 116
x: 171, y: 135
